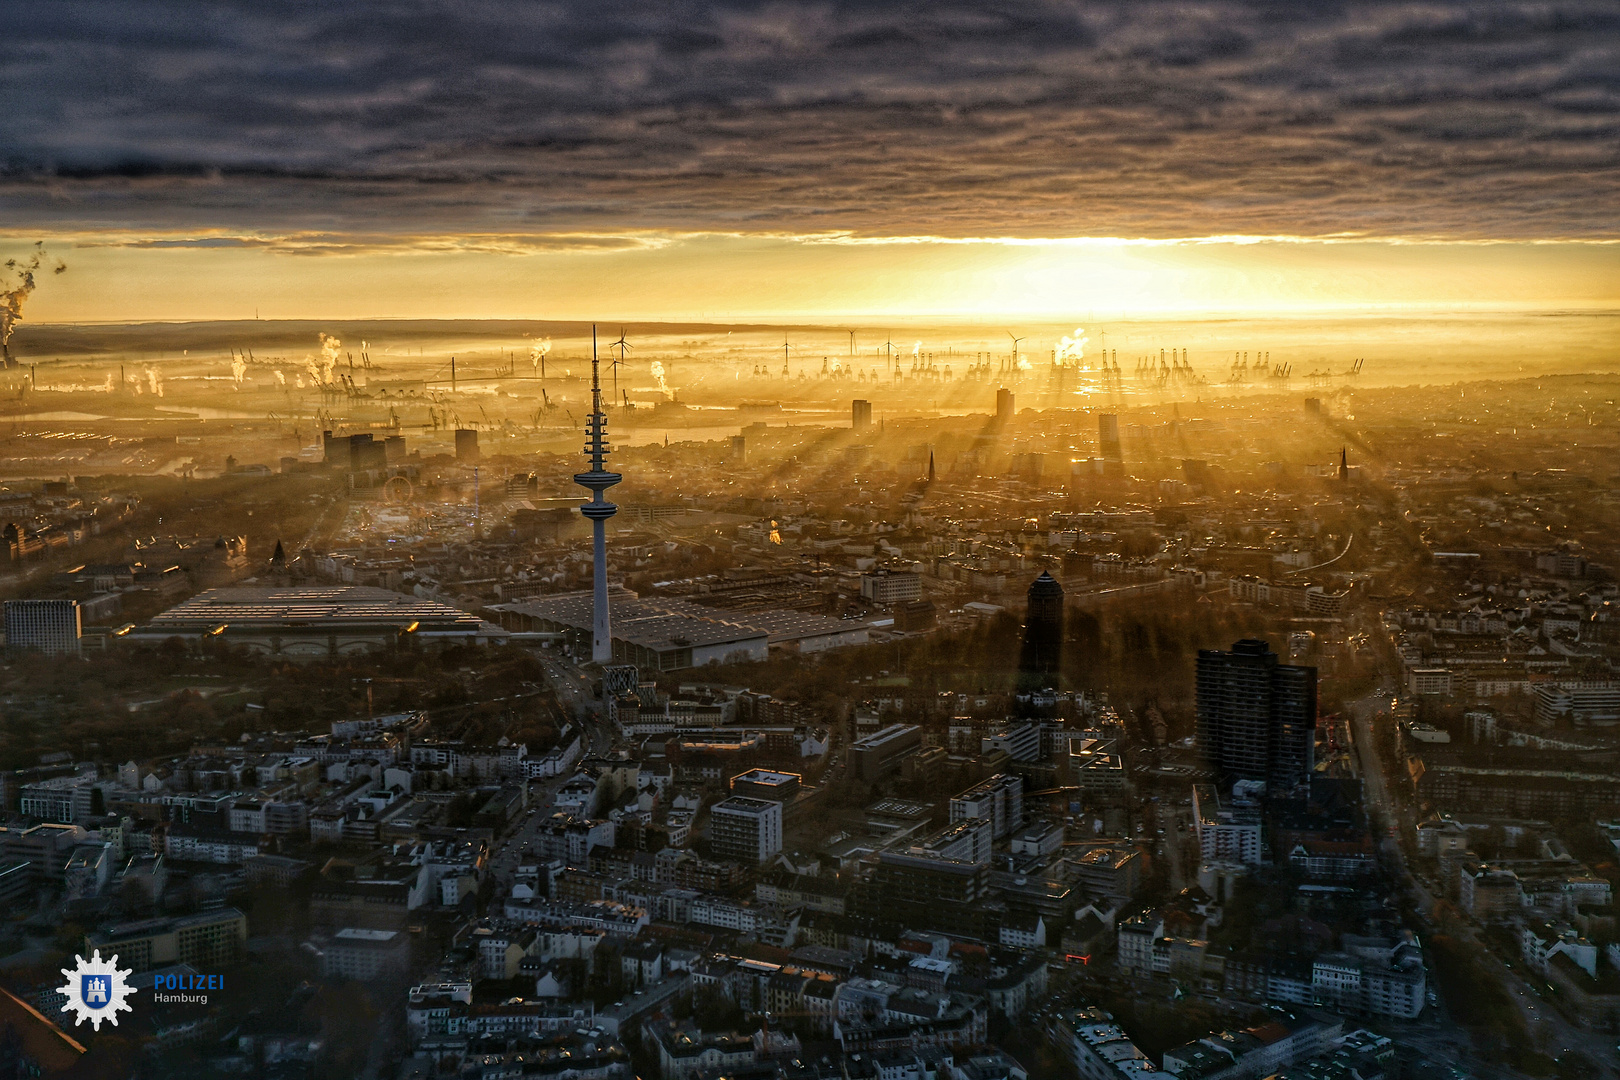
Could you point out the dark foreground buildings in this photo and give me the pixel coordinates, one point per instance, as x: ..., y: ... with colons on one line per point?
x: 1042, y: 654
x: 1256, y: 717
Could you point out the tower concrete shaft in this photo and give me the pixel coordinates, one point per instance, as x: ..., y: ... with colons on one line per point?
x: 598, y: 479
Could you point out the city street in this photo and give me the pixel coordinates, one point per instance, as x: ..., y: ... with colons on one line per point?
x: 573, y: 689
x: 1552, y: 1033
x: 1385, y: 815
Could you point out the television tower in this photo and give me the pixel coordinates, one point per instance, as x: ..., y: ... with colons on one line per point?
x: 598, y: 479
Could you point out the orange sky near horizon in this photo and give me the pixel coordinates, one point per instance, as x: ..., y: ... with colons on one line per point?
x: 743, y: 160
x: 721, y: 277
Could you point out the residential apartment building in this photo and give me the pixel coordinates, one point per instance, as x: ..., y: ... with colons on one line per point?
x: 746, y: 829
x: 1000, y: 799
x: 213, y: 939
x: 52, y: 627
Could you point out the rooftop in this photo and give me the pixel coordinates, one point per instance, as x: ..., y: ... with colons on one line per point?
x: 313, y: 607
x: 887, y: 735
x: 742, y: 804
x: 657, y: 625
x: 765, y: 776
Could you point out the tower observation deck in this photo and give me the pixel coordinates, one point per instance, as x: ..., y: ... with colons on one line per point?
x: 598, y: 479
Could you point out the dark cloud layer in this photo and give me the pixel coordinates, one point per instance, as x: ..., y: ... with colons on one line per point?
x: 1136, y: 118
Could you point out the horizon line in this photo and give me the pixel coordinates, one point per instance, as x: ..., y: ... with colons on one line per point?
x: 840, y: 319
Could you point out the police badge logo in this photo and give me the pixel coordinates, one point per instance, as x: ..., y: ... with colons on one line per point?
x: 96, y: 990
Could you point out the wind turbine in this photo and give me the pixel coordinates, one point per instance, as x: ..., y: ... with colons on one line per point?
x: 888, y: 348
x: 621, y: 345
x: 1015, y: 341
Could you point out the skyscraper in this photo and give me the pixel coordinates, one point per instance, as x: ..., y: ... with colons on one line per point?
x: 1108, y: 446
x: 1004, y: 405
x: 598, y: 479
x: 860, y: 414
x: 1256, y: 717
x: 1043, y: 632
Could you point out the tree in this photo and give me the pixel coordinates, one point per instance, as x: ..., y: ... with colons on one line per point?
x: 459, y: 813
x: 713, y: 1011
x: 347, y: 1020
x: 70, y: 937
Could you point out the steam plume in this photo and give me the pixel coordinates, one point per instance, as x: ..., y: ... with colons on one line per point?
x: 538, y: 351
x: 329, y: 357
x: 1073, y: 348
x: 13, y: 299
x: 658, y: 377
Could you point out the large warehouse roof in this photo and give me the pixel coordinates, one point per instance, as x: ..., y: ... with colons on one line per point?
x: 338, y: 607
x: 315, y: 620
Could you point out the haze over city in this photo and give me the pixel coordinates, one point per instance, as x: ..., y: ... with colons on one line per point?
x: 810, y: 541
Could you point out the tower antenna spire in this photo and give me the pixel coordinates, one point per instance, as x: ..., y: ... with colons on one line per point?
x: 597, y: 480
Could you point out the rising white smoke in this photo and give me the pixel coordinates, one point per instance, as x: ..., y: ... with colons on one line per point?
x: 154, y: 381
x: 238, y: 368
x: 657, y: 370
x: 538, y: 352
x: 13, y: 299
x: 281, y: 380
x: 329, y: 358
x: 1073, y: 348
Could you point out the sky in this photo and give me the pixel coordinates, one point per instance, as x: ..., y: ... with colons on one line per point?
x: 509, y: 158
